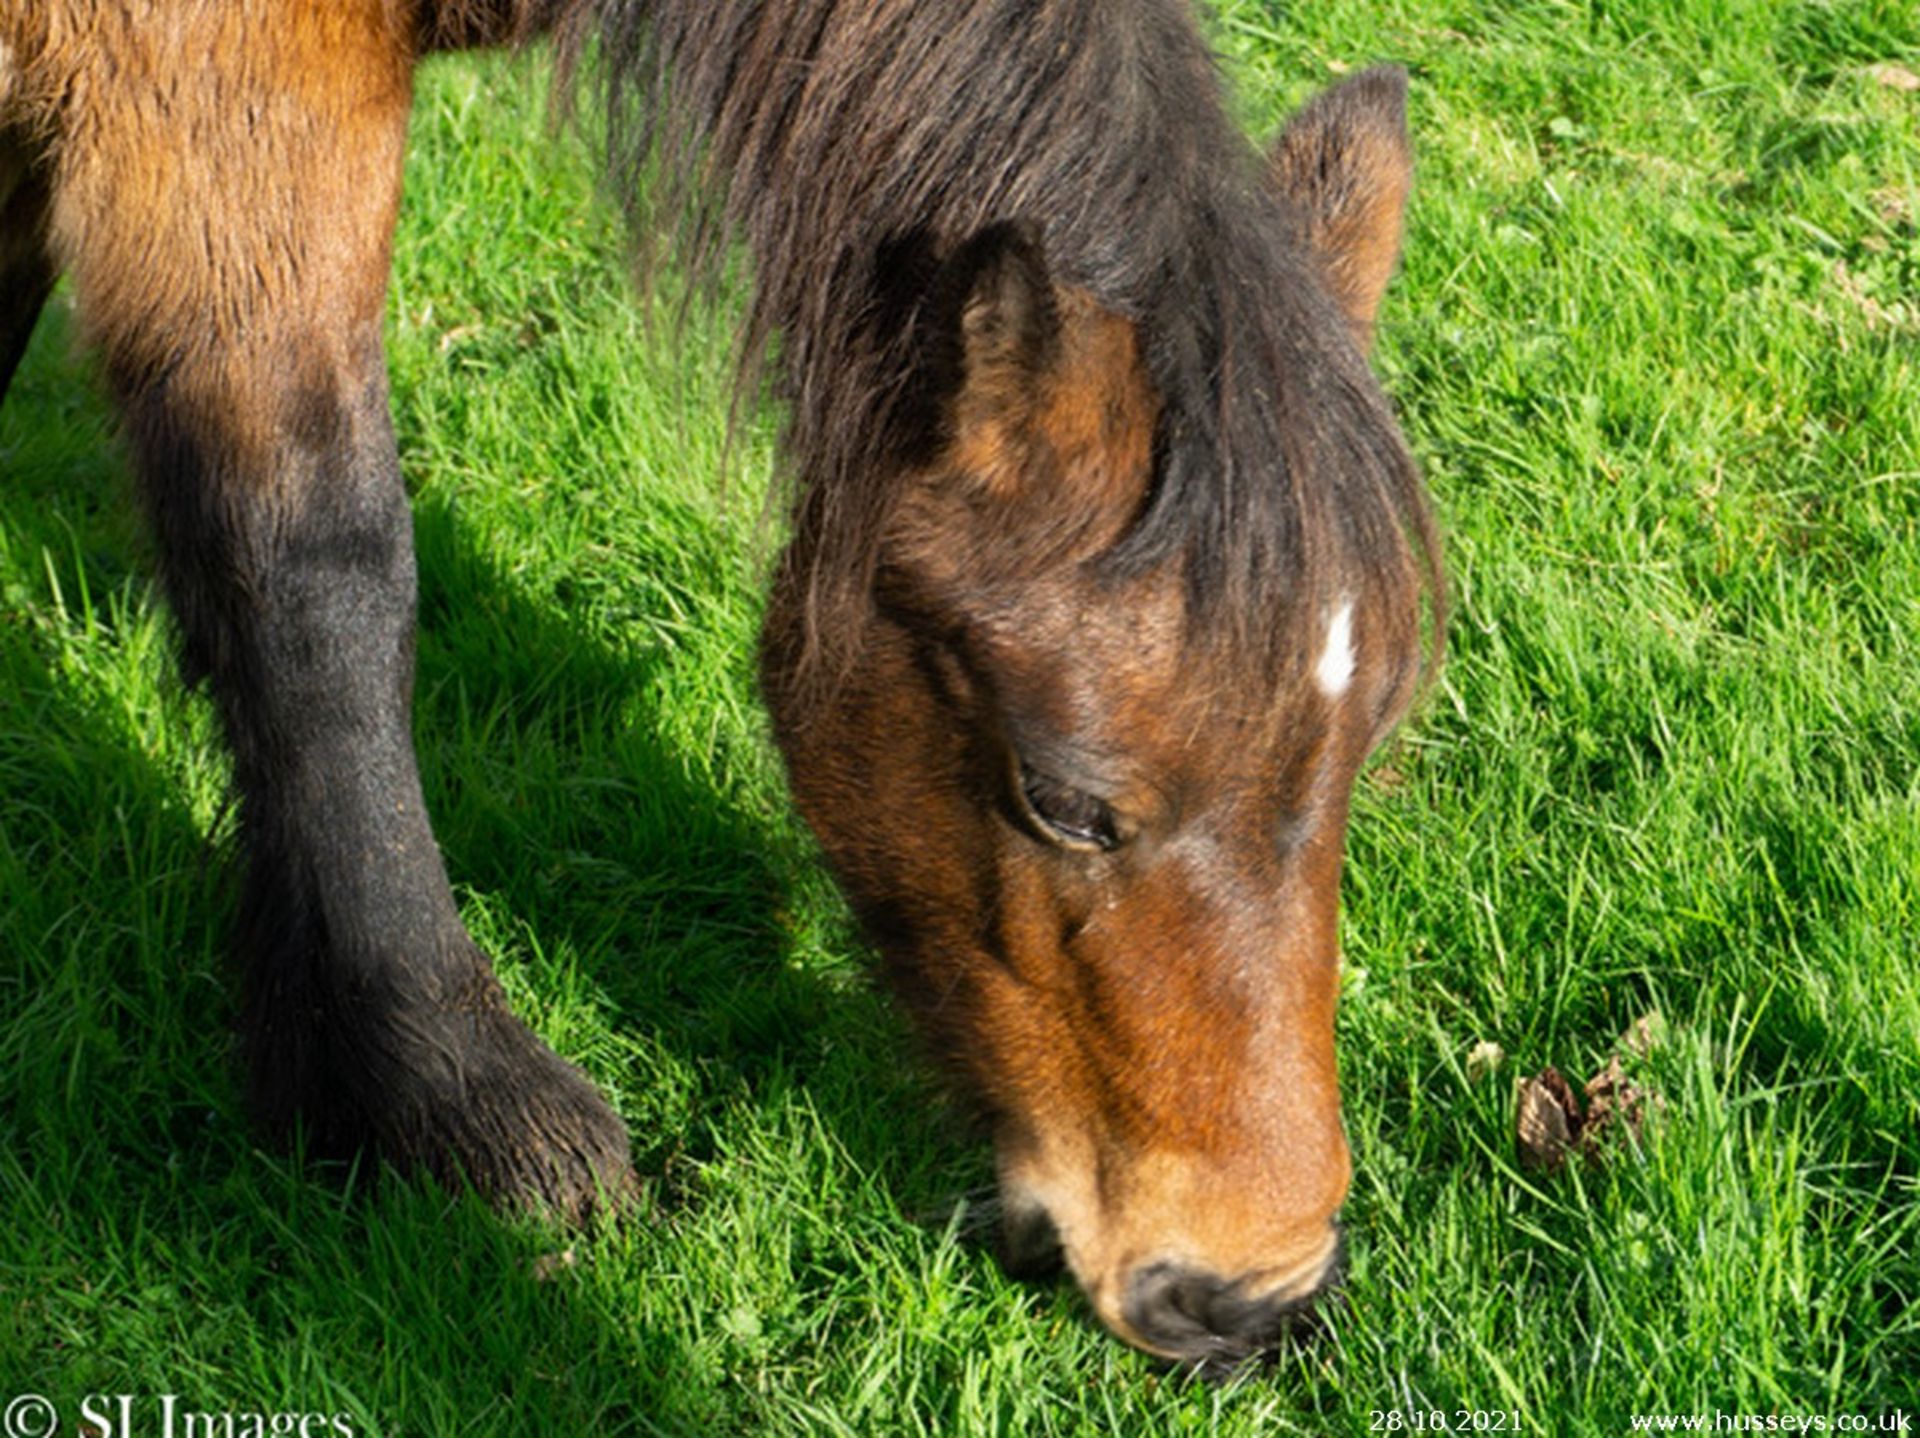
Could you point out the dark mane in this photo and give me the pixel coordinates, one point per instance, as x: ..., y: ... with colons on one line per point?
x: 825, y: 131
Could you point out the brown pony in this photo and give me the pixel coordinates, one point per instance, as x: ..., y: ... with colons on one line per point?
x: 1106, y: 570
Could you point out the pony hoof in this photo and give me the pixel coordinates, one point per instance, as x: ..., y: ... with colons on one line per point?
x: 453, y: 1086
x: 520, y: 1125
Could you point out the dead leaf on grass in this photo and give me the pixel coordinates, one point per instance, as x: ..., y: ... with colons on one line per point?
x: 1894, y: 204
x: 1644, y: 1034
x: 1483, y: 1058
x: 548, y: 1265
x: 459, y: 334
x: 1614, y: 1101
x: 1546, y: 1120
x: 1551, y: 1122
x: 1877, y: 315
x: 1894, y: 77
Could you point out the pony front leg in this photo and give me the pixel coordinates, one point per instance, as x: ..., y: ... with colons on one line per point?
x: 228, y: 242
x: 368, y: 1014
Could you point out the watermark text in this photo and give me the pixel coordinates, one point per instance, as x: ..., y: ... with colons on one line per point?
x: 160, y: 1415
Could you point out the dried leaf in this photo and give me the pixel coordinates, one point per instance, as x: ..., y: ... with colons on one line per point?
x: 1613, y: 1099
x: 1483, y: 1058
x: 1551, y: 1121
x: 1877, y: 315
x: 1610, y: 1080
x: 1546, y: 1120
x: 1645, y: 1034
x: 1894, y: 77
x: 1894, y: 204
x: 548, y: 1265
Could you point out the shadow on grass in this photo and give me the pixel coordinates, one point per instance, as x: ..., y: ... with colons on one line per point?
x: 677, y: 901
x: 145, y: 1231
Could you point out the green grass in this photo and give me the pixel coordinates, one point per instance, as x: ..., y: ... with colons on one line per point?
x: 1657, y: 345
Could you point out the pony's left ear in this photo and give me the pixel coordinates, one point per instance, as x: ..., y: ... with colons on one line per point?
x: 1005, y: 318
x: 1345, y: 163
x: 981, y: 327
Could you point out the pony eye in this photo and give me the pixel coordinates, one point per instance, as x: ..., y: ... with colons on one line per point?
x: 1070, y: 817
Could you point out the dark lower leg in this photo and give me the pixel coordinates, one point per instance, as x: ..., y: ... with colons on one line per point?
x: 369, y: 1014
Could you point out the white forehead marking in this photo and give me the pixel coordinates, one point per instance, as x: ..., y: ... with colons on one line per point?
x: 1334, y: 672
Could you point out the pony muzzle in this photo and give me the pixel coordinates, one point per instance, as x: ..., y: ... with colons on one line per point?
x: 1193, y: 1297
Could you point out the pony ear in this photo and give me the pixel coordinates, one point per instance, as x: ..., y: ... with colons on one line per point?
x: 981, y: 324
x: 1345, y: 162
x: 1006, y: 319
x: 1024, y: 401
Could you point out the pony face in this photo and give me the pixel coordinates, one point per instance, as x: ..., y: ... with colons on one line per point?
x: 1096, y: 838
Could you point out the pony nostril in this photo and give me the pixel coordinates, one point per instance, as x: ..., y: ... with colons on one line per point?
x: 1190, y: 1314
x: 1169, y: 1307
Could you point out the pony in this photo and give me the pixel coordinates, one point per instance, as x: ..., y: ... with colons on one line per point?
x: 1107, y: 564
